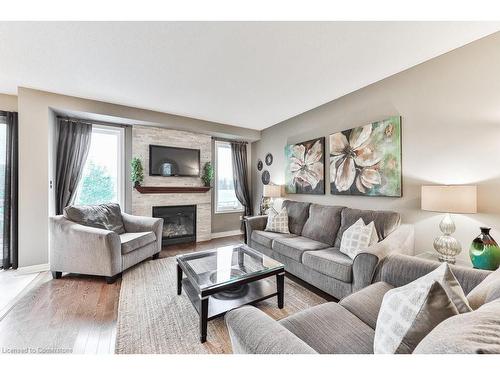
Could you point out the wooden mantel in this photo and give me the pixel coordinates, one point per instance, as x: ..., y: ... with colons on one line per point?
x: 171, y: 189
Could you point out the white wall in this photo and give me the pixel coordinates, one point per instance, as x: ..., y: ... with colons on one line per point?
x: 8, y: 103
x: 36, y: 156
x: 450, y: 108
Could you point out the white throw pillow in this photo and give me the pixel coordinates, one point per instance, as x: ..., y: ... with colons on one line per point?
x: 358, y: 237
x: 277, y: 221
x: 410, y: 312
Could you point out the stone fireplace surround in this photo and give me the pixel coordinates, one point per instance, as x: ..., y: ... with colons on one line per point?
x: 142, y: 204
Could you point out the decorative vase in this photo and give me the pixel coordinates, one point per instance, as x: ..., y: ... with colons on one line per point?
x: 484, y: 251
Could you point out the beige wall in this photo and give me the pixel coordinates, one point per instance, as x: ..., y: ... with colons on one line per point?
x: 8, y: 103
x: 36, y: 156
x: 450, y: 108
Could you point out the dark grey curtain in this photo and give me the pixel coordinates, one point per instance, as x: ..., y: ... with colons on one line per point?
x: 10, y: 198
x: 73, y: 143
x: 240, y: 175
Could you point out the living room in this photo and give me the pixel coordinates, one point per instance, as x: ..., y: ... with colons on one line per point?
x: 320, y: 187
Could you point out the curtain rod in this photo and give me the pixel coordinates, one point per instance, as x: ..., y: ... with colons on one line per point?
x: 229, y: 140
x: 91, y: 122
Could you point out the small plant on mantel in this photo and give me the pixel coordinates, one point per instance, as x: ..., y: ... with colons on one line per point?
x: 208, y: 174
x: 137, y: 173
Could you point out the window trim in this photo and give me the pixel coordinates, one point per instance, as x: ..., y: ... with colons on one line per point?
x: 216, y: 211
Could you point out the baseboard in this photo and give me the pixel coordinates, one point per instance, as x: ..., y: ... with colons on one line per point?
x: 227, y: 234
x: 33, y: 269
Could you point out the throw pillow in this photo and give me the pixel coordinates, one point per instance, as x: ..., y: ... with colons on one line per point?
x: 104, y: 216
x: 357, y: 238
x: 486, y: 291
x: 277, y: 221
x: 410, y: 312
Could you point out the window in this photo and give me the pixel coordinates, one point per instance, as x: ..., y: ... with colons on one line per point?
x: 225, y: 198
x: 3, y: 146
x: 103, y: 174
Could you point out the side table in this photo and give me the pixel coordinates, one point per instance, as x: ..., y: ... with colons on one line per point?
x: 432, y: 255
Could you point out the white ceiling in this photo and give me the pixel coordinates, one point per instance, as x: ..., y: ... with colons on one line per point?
x: 249, y: 74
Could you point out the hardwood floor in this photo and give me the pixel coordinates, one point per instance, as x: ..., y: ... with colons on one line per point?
x: 76, y: 314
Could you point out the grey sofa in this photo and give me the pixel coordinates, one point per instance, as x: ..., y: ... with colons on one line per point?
x: 93, y: 250
x: 349, y: 326
x: 311, y: 250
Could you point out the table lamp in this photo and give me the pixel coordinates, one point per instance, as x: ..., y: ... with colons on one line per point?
x: 459, y: 199
x: 268, y: 193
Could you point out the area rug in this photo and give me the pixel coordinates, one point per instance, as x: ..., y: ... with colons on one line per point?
x: 153, y: 319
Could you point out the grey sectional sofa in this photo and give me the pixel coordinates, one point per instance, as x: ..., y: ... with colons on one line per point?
x: 311, y: 250
x: 349, y: 326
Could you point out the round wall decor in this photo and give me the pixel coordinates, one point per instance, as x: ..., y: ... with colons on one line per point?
x: 266, y: 177
x: 259, y: 165
x: 269, y: 159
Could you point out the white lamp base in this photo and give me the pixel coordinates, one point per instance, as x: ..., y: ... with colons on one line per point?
x: 447, y: 246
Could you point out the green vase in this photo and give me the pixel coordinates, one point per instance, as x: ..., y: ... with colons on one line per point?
x: 484, y: 251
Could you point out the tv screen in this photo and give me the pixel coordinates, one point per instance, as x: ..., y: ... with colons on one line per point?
x: 173, y: 161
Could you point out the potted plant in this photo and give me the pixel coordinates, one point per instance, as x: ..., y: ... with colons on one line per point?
x: 208, y: 174
x: 137, y: 173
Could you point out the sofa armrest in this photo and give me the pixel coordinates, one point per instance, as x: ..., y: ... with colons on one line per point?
x: 253, y: 332
x: 82, y: 249
x: 400, y: 241
x: 252, y: 223
x: 134, y: 224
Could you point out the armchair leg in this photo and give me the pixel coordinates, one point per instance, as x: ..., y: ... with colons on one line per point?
x: 112, y: 279
x: 56, y: 274
x: 156, y: 256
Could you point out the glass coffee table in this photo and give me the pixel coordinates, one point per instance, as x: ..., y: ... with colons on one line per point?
x: 228, y: 277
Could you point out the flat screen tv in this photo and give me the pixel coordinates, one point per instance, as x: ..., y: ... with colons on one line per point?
x: 173, y: 161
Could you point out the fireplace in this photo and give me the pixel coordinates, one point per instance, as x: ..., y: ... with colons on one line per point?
x: 179, y: 223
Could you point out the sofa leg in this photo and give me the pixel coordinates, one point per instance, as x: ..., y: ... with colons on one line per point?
x: 156, y: 256
x: 56, y: 274
x: 112, y: 279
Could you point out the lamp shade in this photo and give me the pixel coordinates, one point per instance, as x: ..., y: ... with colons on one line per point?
x: 272, y: 191
x: 459, y: 199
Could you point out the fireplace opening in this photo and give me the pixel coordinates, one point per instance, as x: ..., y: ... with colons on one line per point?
x: 179, y: 223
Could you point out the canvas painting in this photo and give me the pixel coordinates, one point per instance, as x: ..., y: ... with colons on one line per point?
x: 305, y: 167
x: 367, y: 160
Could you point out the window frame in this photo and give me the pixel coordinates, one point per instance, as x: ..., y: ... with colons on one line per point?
x: 120, y: 176
x: 216, y: 187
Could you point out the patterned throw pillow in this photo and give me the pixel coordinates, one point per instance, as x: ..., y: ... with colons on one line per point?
x: 410, y: 312
x: 358, y: 237
x: 277, y: 221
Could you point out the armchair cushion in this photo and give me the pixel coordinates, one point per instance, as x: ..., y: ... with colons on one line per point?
x: 104, y: 216
x: 330, y: 262
x: 134, y: 241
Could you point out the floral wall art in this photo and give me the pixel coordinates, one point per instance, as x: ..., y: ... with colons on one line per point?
x: 305, y: 167
x: 367, y: 160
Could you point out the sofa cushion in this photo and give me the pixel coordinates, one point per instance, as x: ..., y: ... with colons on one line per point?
x: 323, y: 223
x: 330, y: 262
x: 330, y: 329
x: 470, y: 333
x: 134, y: 241
x: 298, y: 212
x: 277, y: 221
x: 487, y: 290
x: 266, y: 238
x: 385, y: 221
x: 104, y: 216
x: 294, y: 247
x: 365, y: 304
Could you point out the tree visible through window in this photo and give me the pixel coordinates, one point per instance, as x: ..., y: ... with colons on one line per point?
x: 102, y: 174
x: 225, y: 197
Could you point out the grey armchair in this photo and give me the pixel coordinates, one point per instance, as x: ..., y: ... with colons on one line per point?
x: 89, y: 250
